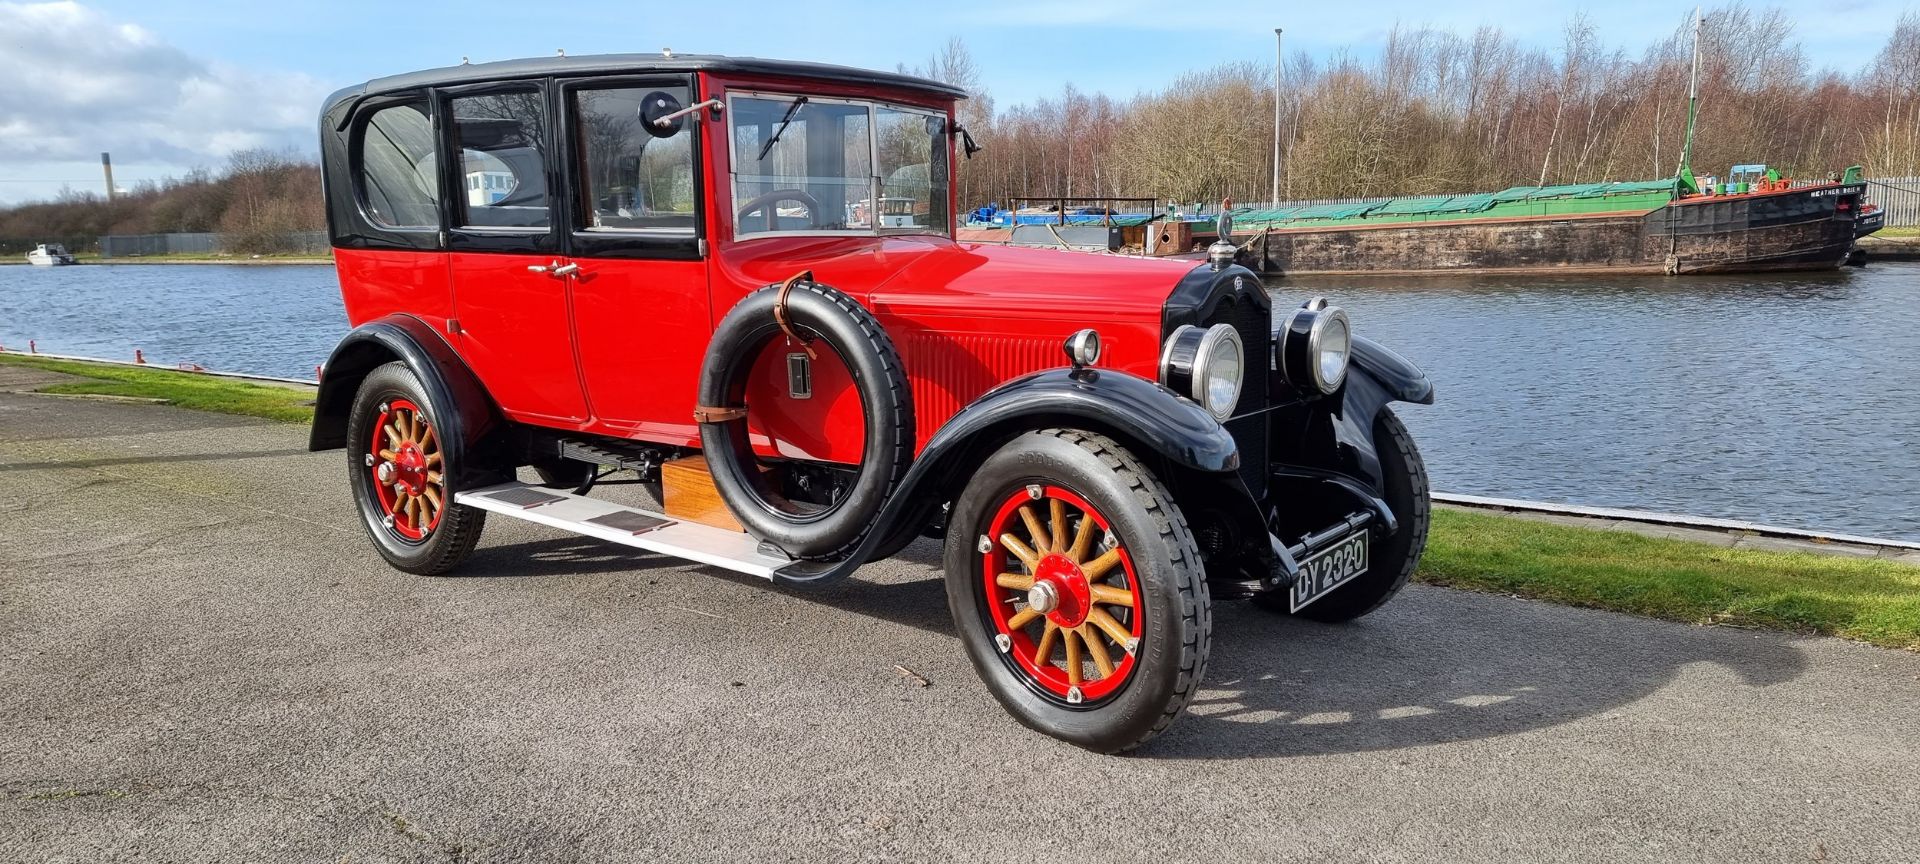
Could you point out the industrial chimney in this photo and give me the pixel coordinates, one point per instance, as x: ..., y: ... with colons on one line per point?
x: 106, y: 165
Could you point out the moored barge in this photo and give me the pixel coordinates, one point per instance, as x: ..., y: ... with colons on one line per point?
x: 1649, y: 227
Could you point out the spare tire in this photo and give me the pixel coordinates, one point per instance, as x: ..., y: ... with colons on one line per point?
x: 818, y: 316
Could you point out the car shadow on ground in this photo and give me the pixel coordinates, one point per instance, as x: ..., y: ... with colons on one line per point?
x: 1439, y: 666
x: 1434, y: 666
x: 561, y: 556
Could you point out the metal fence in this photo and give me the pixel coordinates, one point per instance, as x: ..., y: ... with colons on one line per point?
x: 14, y: 247
x: 1898, y: 197
x: 143, y: 245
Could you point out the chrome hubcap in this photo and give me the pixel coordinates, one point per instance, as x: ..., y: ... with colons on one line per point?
x: 1043, y: 597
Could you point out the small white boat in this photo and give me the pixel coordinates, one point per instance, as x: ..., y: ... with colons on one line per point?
x: 49, y: 255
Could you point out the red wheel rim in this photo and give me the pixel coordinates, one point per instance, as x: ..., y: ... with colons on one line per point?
x: 1064, y: 601
x: 405, y: 461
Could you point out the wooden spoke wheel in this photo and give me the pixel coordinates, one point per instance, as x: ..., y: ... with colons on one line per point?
x: 1077, y: 589
x: 1065, y: 602
x: 404, y: 468
x: 405, y: 460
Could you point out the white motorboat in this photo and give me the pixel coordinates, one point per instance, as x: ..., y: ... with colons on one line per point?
x: 49, y: 255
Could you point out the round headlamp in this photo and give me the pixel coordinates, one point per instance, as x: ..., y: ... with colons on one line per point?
x: 1311, y: 347
x: 1207, y: 365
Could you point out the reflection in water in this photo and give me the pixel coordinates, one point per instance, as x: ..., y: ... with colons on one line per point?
x: 1787, y: 399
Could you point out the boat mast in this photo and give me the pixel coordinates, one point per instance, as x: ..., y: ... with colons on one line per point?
x: 1685, y: 172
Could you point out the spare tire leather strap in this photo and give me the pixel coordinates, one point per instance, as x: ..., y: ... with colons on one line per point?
x: 780, y: 312
x: 708, y: 414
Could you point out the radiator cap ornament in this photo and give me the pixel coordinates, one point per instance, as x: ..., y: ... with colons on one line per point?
x: 1221, y: 253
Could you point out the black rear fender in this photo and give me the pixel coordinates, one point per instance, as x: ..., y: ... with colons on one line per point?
x: 470, y: 425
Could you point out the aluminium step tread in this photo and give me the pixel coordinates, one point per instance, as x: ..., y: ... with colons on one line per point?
x: 628, y: 526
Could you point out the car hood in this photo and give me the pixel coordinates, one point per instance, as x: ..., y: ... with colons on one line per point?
x: 985, y: 280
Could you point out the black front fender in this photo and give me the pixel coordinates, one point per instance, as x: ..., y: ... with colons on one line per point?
x: 1377, y: 376
x: 467, y: 416
x: 1136, y: 411
x: 1397, y: 375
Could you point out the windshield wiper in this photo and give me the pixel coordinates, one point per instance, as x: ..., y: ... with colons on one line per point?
x: 788, y: 118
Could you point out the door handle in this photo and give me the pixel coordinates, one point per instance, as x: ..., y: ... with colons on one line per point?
x: 554, y: 269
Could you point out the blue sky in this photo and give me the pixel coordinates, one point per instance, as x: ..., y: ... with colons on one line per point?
x: 107, y: 74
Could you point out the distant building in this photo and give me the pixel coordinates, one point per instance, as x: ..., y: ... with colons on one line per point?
x: 488, y: 187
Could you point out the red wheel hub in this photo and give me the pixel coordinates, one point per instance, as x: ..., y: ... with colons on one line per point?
x: 409, y: 482
x: 410, y: 469
x: 1064, y: 600
x: 1072, y: 596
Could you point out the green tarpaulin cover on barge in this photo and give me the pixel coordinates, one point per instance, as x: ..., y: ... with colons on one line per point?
x: 1517, y: 201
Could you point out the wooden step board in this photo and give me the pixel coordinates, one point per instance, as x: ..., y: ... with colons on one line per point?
x: 687, y: 492
x: 628, y: 526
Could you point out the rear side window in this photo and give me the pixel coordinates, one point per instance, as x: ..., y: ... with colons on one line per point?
x: 502, y: 160
x: 399, y: 176
x: 633, y: 181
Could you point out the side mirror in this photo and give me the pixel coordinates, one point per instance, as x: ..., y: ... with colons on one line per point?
x: 658, y: 105
x: 966, y: 141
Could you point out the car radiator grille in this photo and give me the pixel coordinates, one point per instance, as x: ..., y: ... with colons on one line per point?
x: 1249, y: 422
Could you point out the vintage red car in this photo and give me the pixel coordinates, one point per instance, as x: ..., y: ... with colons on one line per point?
x: 739, y: 279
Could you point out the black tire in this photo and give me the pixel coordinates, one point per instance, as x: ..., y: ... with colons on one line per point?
x: 1176, y: 632
x: 563, y: 473
x: 457, y: 529
x: 1393, y: 559
x: 835, y: 323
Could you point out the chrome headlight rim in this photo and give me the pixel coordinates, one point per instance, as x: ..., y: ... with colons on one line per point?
x: 1203, y: 370
x: 1187, y: 365
x: 1300, y: 340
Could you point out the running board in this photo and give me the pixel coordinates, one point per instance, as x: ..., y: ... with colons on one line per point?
x: 628, y: 526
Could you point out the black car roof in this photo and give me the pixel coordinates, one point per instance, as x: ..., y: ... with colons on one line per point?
x: 601, y: 64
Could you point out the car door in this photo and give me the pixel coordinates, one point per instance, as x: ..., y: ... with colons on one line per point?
x: 634, y: 228
x: 513, y: 322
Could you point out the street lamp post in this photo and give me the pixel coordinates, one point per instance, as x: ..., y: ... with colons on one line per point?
x: 1279, y: 60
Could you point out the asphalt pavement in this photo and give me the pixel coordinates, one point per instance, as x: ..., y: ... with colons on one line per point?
x: 203, y: 659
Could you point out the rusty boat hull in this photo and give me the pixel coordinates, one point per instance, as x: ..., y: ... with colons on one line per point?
x: 1804, y: 228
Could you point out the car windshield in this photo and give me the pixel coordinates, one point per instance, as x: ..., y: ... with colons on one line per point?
x: 817, y: 165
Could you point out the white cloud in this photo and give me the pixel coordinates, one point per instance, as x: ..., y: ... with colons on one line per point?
x: 79, y: 83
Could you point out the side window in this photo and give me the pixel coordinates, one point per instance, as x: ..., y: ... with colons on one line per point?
x: 399, y: 177
x: 502, y: 160
x: 913, y: 168
x: 631, y: 180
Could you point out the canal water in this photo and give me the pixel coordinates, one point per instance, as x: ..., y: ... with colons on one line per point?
x: 1787, y: 399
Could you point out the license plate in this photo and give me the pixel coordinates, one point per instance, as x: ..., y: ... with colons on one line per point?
x: 1330, y: 568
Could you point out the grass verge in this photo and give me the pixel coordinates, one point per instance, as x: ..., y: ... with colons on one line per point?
x: 1869, y: 600
x: 1875, y: 601
x: 185, y: 389
x: 207, y: 258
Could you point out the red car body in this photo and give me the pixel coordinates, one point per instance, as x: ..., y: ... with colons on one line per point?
x: 563, y: 311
